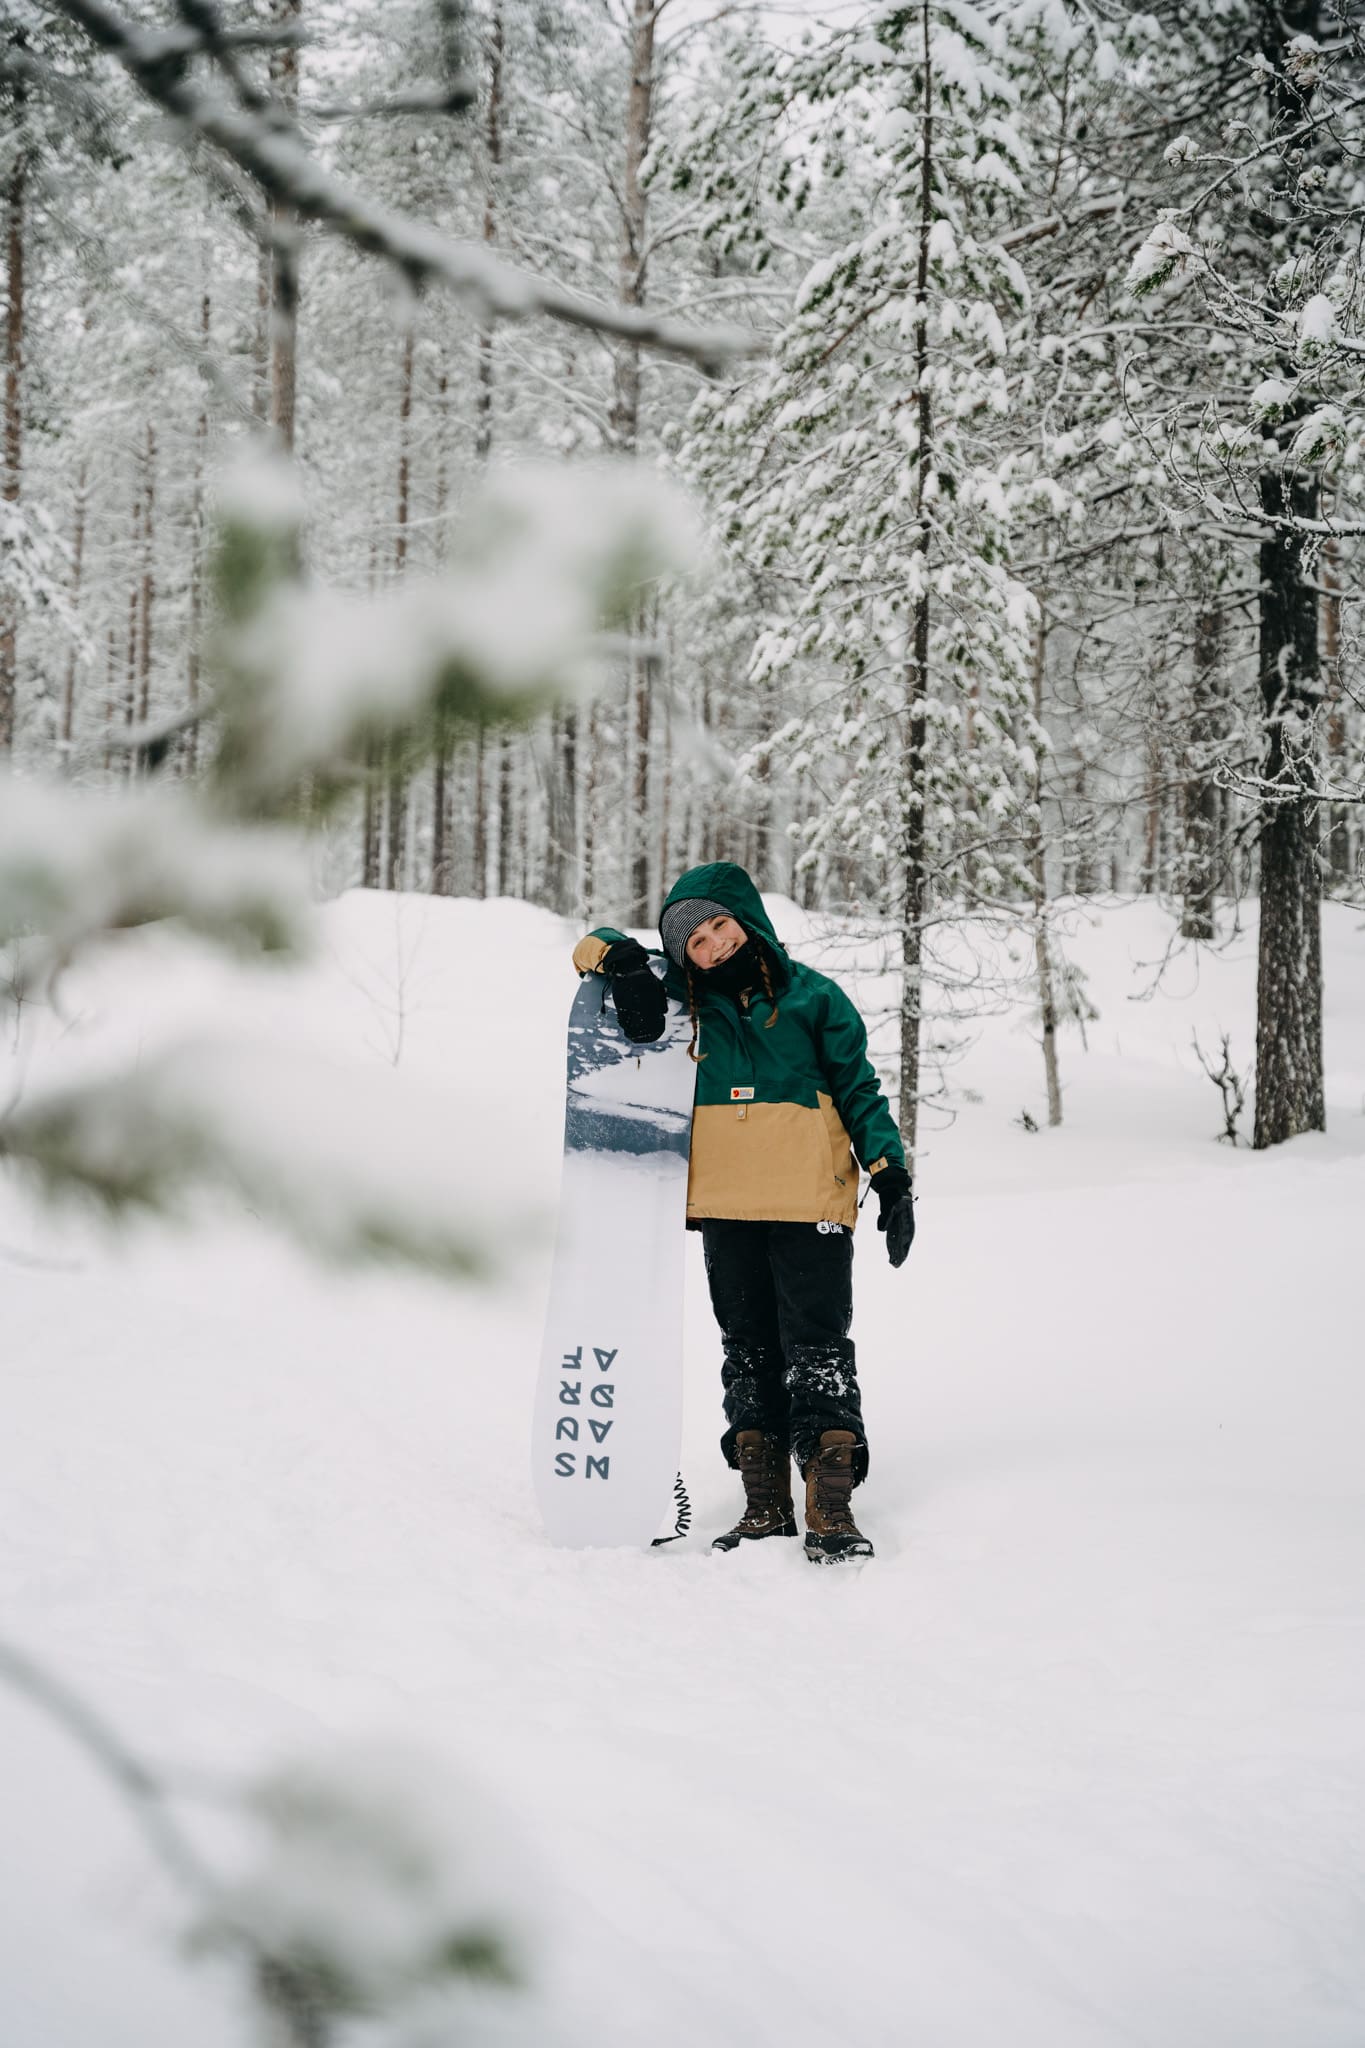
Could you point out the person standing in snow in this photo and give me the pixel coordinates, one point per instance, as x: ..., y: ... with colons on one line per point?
x: 786, y: 1097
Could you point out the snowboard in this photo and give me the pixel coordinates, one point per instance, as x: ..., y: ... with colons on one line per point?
x: 608, y: 1409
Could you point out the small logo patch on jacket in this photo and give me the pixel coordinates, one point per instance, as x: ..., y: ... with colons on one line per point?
x: 741, y: 1095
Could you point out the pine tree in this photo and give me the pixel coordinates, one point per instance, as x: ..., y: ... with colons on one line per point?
x: 869, y: 472
x: 1271, y: 234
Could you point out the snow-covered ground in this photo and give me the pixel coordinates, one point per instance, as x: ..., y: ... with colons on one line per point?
x: 1077, y: 1762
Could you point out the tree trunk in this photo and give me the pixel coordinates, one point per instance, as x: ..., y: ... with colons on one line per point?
x: 201, y: 443
x: 481, y: 813
x: 442, y: 864
x: 147, y: 592
x: 14, y: 432
x: 625, y: 428
x: 110, y: 687
x: 571, y: 895
x: 504, y: 887
x: 372, y: 825
x: 642, y: 666
x: 559, y: 847
x: 483, y: 398
x: 1335, y: 732
x: 284, y: 248
x: 1201, y: 861
x: 1042, y: 948
x: 77, y: 565
x: 1086, y: 871
x: 666, y: 870
x: 483, y: 430
x: 914, y: 891
x: 398, y: 780
x: 260, y: 378
x: 1153, y: 776
x: 134, y: 597
x: 631, y: 256
x: 588, y: 871
x: 1289, y: 1080
x: 396, y: 838
x: 372, y: 818
x: 765, y: 806
x: 442, y: 881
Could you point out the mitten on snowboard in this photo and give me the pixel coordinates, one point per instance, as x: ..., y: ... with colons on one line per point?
x: 641, y: 1005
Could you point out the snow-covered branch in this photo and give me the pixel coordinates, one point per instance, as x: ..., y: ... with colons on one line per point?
x: 278, y: 158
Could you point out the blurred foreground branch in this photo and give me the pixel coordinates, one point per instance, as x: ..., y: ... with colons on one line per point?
x: 364, y: 1900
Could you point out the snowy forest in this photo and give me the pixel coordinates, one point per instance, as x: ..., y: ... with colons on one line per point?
x: 1012, y: 356
x: 463, y: 463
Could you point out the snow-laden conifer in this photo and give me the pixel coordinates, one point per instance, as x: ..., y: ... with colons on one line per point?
x: 868, y: 471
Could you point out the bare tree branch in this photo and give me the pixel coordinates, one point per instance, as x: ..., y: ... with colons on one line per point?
x: 421, y: 99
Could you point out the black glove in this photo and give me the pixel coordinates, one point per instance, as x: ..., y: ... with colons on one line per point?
x: 627, y: 956
x: 641, y: 1005
x: 892, y: 1188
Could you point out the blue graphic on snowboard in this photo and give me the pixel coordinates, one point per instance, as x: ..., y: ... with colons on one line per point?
x: 613, y: 1102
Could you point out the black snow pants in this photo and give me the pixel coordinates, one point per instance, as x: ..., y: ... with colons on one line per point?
x: 783, y: 1296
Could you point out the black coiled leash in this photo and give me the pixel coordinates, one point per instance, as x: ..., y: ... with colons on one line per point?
x: 684, y: 1521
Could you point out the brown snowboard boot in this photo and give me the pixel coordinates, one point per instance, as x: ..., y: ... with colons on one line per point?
x: 832, y: 1535
x: 766, y: 1469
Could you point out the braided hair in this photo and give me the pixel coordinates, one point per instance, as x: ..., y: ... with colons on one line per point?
x: 692, y: 1011
x: 766, y: 973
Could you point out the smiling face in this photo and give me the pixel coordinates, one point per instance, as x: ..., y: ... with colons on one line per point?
x: 715, y: 941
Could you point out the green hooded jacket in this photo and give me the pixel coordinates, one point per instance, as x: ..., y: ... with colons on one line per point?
x: 786, y: 1095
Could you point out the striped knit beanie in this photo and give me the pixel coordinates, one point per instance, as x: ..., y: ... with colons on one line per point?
x: 681, y: 919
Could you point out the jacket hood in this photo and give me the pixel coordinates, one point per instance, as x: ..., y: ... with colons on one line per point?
x: 723, y: 882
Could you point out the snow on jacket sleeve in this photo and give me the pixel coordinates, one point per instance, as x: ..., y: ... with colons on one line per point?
x: 854, y: 1085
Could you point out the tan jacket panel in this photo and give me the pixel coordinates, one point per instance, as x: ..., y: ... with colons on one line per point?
x: 772, y: 1162
x: 588, y: 954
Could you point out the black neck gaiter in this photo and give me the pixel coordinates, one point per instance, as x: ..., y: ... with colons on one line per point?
x: 735, y: 976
